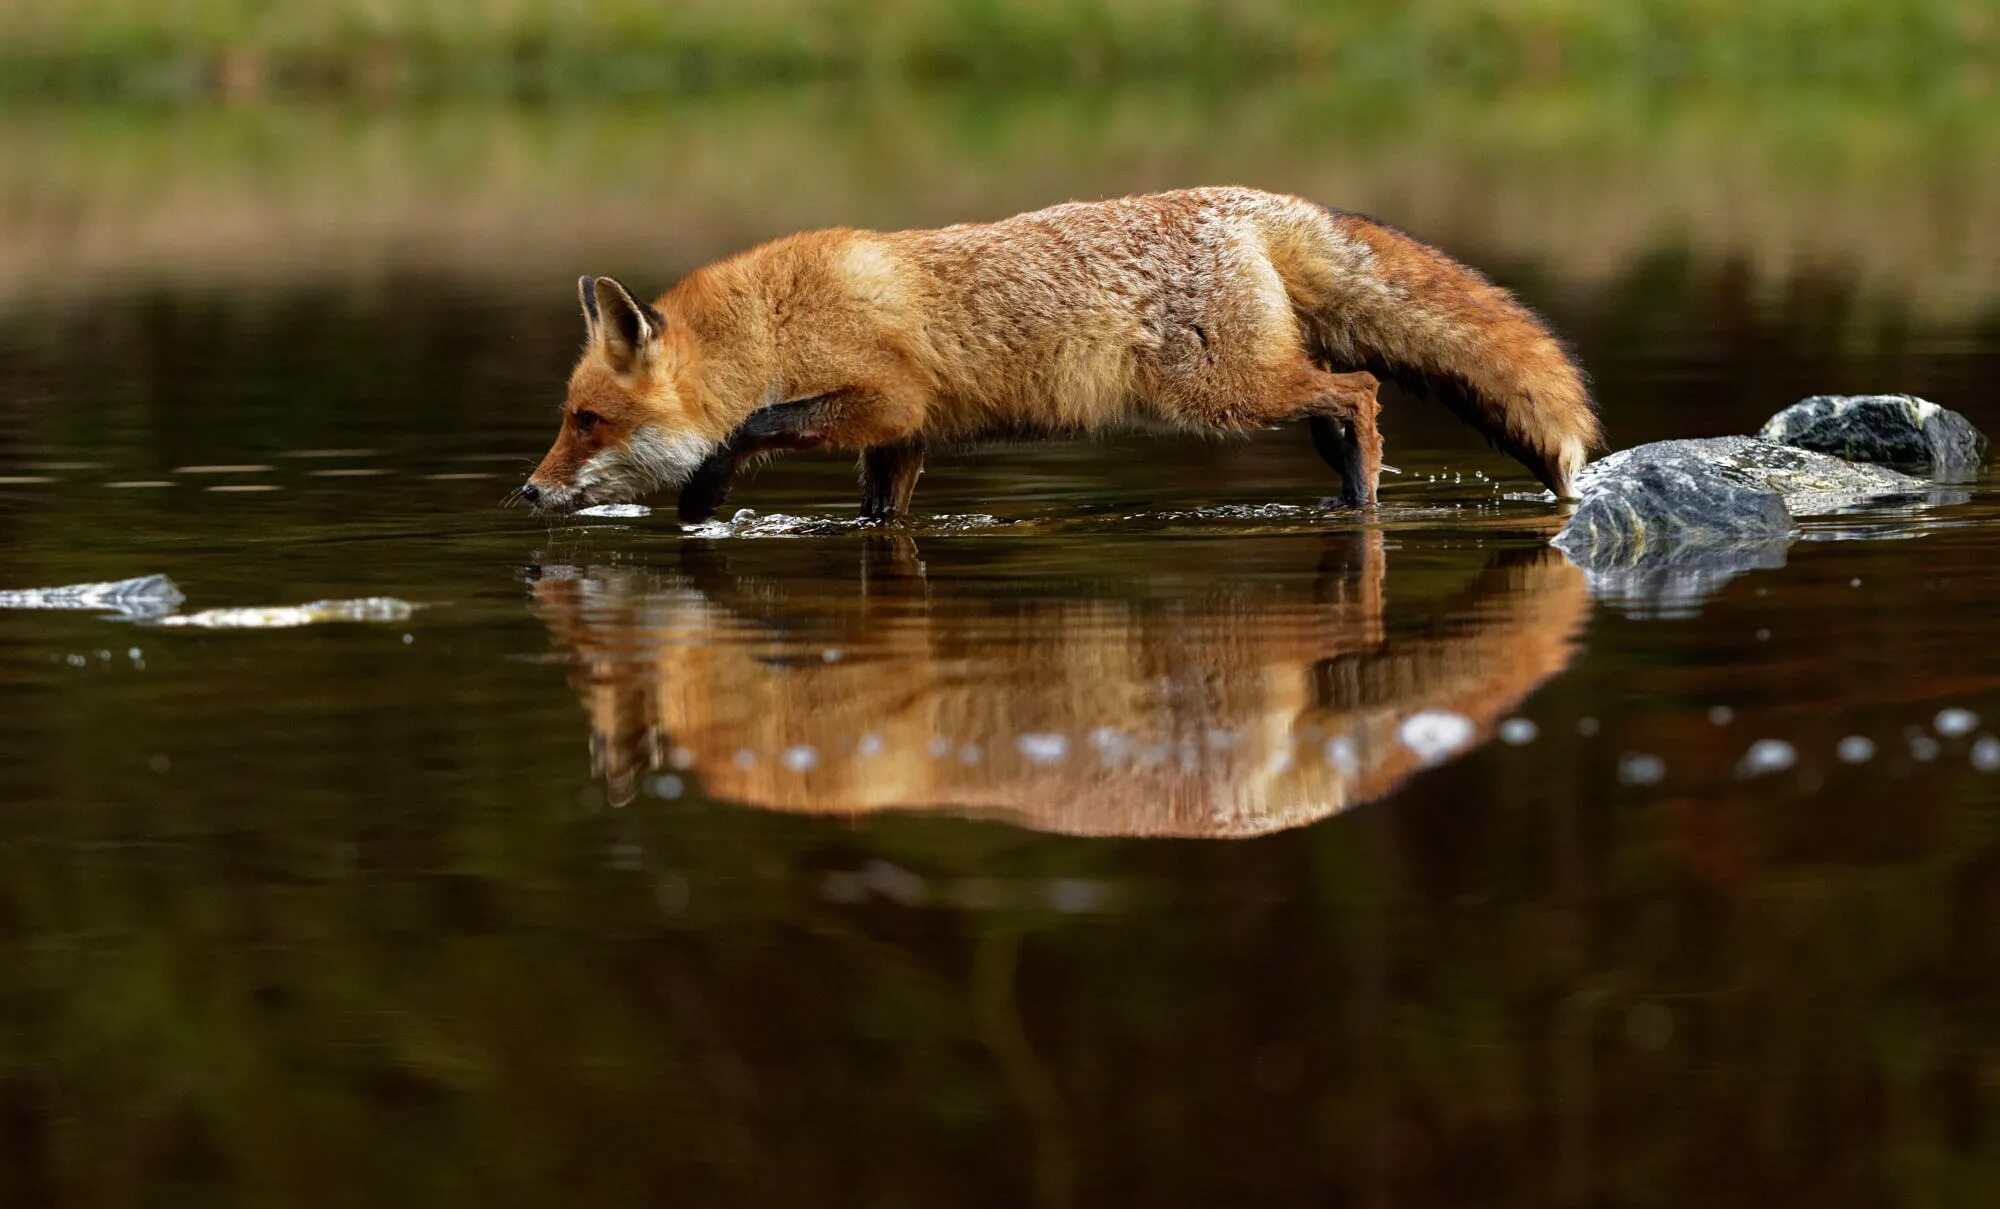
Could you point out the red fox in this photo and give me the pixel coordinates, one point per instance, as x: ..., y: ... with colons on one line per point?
x: 1216, y: 310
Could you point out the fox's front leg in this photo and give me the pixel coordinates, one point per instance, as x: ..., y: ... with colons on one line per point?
x: 889, y: 474
x: 794, y: 425
x: 848, y: 418
x: 707, y: 489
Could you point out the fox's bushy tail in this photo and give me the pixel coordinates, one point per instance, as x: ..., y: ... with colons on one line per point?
x: 1408, y: 313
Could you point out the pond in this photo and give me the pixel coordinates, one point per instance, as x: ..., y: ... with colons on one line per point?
x: 1134, y: 826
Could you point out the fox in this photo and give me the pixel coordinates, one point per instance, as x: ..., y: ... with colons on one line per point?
x: 1212, y: 310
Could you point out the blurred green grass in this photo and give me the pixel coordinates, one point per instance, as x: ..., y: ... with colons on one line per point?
x: 529, y: 46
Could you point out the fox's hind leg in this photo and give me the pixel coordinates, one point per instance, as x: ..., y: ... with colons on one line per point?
x: 1341, y: 411
x: 889, y: 474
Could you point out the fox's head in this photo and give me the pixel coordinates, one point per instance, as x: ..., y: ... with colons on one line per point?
x: 629, y: 426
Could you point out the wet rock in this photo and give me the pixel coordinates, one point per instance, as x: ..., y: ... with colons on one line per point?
x: 1669, y: 523
x: 1894, y: 430
x: 1809, y: 483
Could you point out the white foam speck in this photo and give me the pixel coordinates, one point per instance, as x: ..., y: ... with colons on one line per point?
x: 666, y: 785
x: 1955, y: 723
x: 1043, y: 748
x: 1435, y: 734
x: 1767, y: 756
x: 868, y: 745
x: 1855, y: 749
x: 1518, y: 732
x: 1986, y: 754
x: 1638, y: 768
x: 800, y: 758
x: 614, y: 510
x: 279, y: 617
x: 1111, y: 745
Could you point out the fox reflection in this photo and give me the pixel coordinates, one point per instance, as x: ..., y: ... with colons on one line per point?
x: 1238, y: 711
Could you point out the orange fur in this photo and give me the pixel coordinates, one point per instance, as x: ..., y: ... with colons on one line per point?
x: 1204, y: 310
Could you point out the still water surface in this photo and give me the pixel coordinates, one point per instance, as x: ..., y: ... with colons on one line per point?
x: 1131, y: 828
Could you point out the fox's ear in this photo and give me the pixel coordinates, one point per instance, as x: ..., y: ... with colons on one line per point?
x: 586, y: 292
x: 629, y: 328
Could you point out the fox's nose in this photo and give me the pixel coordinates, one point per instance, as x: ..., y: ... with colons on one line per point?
x: 530, y: 492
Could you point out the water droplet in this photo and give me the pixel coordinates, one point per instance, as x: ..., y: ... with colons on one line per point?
x: 1518, y: 732
x: 1720, y: 715
x: 666, y: 785
x: 681, y: 758
x: 745, y: 758
x: 800, y: 758
x: 1340, y: 753
x: 1043, y: 748
x: 1638, y: 768
x: 1435, y: 734
x: 1587, y: 727
x: 1953, y: 723
x: 1856, y: 749
x: 1986, y: 754
x: 1923, y: 748
x: 970, y: 754
x: 869, y: 745
x: 1766, y: 756
x: 940, y: 747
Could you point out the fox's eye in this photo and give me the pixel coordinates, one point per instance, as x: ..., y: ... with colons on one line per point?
x: 585, y: 421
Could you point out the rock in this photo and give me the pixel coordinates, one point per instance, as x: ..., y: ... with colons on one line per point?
x: 1691, y: 473
x: 1672, y: 521
x: 1895, y: 430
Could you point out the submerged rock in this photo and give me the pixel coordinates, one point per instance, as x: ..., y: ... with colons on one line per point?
x: 1895, y: 430
x: 142, y: 596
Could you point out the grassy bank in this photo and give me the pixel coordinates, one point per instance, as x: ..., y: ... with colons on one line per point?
x: 1902, y: 198
x: 156, y: 46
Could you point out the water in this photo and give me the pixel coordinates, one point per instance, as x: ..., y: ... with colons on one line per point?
x: 1132, y: 828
